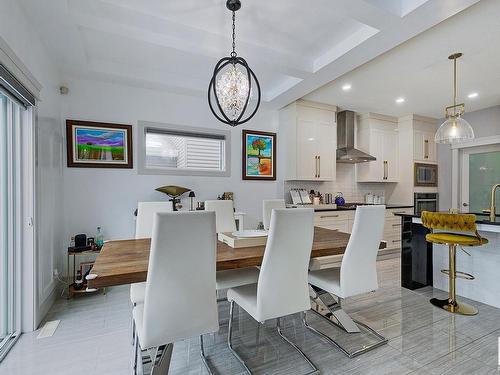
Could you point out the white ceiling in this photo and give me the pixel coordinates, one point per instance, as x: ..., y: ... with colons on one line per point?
x: 294, y: 46
x: 420, y: 71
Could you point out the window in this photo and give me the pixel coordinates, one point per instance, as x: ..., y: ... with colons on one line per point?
x: 183, y: 150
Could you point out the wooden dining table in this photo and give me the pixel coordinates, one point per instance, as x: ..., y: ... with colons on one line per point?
x: 123, y: 262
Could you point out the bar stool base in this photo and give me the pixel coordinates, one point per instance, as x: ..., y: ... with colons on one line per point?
x: 461, y: 308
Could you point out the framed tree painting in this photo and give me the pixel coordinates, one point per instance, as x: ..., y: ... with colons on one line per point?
x: 98, y: 145
x: 259, y: 155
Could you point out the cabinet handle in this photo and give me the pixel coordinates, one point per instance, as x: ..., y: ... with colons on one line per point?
x: 316, y: 166
x: 385, y: 170
x: 325, y: 216
x: 319, y: 166
x: 426, y: 149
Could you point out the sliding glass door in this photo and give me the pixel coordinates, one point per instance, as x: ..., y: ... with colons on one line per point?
x: 12, y: 116
x: 480, y: 171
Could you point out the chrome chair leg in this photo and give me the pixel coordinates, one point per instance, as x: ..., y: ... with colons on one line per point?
x: 313, y: 366
x: 364, y: 349
x: 161, y: 361
x: 230, y: 337
x: 203, y: 358
x: 132, y: 327
x: 136, y: 354
x: 278, y: 327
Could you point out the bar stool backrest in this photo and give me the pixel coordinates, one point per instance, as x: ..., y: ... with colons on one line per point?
x: 449, y: 221
x: 180, y: 300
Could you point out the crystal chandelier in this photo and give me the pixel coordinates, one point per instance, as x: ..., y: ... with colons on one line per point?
x: 231, y: 86
x: 455, y: 129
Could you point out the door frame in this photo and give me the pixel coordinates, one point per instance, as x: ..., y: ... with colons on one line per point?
x: 459, y: 152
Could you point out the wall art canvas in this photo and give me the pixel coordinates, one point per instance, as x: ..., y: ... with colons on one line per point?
x: 98, y: 145
x: 259, y: 155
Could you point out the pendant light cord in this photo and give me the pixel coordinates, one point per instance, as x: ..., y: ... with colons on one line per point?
x: 455, y: 84
x: 233, y: 53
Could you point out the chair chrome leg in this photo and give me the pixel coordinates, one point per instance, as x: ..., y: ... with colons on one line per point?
x: 162, y: 364
x: 229, y: 339
x: 313, y: 366
x: 364, y: 349
x: 132, y: 327
x: 136, y: 354
x: 203, y: 358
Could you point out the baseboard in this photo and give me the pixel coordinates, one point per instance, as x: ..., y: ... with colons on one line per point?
x: 45, y: 306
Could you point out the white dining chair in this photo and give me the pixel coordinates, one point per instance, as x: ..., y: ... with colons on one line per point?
x: 143, y: 229
x: 267, y: 207
x: 224, y: 216
x: 357, y: 275
x: 178, y: 304
x: 282, y: 287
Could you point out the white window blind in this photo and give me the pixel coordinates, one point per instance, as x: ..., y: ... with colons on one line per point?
x: 172, y: 149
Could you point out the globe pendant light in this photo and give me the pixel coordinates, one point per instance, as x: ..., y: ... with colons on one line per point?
x: 455, y: 129
x: 231, y: 86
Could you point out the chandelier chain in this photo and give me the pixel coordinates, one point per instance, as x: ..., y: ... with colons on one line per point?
x: 233, y: 53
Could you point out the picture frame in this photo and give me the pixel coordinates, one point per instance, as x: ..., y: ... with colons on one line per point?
x: 258, y: 155
x: 98, y: 145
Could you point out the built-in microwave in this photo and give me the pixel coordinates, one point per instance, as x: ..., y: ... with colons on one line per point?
x: 426, y: 202
x: 426, y: 174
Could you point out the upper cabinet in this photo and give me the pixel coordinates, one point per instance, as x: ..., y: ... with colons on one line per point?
x: 309, y: 133
x: 377, y: 135
x: 424, y: 147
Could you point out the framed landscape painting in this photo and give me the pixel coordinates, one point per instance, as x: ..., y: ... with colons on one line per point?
x: 259, y: 155
x: 98, y: 145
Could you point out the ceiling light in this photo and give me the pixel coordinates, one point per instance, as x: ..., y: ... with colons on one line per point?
x: 473, y: 95
x: 232, y: 84
x: 346, y: 87
x: 455, y: 129
x: 400, y: 100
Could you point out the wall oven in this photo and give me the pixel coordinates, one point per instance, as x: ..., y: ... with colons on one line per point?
x: 426, y: 175
x: 425, y: 202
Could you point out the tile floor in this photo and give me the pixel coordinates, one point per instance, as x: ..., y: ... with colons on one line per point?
x: 94, y: 338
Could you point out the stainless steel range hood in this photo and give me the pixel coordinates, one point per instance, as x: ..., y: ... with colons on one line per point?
x: 346, y: 153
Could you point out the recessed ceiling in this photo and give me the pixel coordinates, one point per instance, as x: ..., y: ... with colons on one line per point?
x: 294, y: 46
x: 419, y: 70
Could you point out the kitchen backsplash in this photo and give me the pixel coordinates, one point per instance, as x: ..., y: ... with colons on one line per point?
x: 345, y: 182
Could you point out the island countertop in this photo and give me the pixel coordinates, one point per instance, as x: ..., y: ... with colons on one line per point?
x: 482, y: 221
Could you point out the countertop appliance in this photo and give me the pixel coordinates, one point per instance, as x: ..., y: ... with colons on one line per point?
x: 346, y: 152
x: 426, y: 175
x: 425, y: 202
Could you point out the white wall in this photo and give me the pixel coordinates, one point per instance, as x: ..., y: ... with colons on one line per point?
x: 16, y: 31
x: 485, y: 123
x: 108, y: 197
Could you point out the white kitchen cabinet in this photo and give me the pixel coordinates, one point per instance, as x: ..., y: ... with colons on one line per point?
x: 377, y: 135
x: 424, y: 147
x: 343, y: 222
x: 309, y: 133
x: 335, y: 220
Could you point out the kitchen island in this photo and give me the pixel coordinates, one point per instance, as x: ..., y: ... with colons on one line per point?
x: 422, y: 262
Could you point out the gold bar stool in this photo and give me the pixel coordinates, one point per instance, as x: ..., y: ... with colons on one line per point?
x: 456, y: 223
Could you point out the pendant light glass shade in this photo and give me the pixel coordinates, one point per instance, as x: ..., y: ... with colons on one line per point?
x: 233, y: 89
x: 454, y: 130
